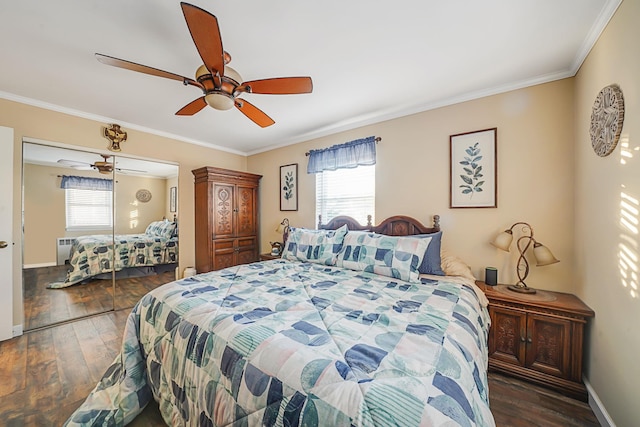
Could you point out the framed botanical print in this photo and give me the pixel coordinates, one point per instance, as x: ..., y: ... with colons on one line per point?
x: 289, y: 187
x: 173, y: 199
x: 473, y: 179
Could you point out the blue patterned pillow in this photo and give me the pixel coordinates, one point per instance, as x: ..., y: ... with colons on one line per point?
x: 319, y: 246
x: 393, y: 256
x: 162, y: 228
x: 349, y: 256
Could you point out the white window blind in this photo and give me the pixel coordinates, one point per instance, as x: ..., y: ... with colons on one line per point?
x: 88, y: 209
x: 349, y: 192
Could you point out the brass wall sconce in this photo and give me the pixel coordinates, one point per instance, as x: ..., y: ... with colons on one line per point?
x: 115, y: 135
x: 541, y: 253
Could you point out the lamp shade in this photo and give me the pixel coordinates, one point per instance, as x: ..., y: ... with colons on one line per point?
x: 503, y: 240
x: 543, y: 255
x: 282, y: 227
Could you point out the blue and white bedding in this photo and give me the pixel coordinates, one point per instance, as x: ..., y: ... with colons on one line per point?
x: 94, y: 254
x: 299, y: 343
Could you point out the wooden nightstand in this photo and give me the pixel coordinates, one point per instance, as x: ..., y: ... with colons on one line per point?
x: 538, y: 338
x: 267, y: 257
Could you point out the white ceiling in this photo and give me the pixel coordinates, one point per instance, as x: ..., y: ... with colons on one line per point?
x: 369, y: 60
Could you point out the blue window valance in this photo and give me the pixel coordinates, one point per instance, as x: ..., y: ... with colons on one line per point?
x: 361, y: 152
x: 84, y: 183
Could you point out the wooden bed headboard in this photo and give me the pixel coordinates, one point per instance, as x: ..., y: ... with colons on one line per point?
x: 398, y: 225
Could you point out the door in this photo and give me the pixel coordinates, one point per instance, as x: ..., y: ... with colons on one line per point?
x: 548, y: 339
x: 6, y: 231
x: 60, y: 263
x: 507, y: 338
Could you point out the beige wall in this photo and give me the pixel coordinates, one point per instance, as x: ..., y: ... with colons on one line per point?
x: 535, y: 177
x: 133, y: 216
x: 41, y: 124
x: 608, y: 190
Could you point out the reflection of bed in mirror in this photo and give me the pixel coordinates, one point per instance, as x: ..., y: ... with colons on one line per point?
x: 93, y: 256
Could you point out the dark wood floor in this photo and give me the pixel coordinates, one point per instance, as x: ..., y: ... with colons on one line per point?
x: 46, y: 374
x: 44, y: 306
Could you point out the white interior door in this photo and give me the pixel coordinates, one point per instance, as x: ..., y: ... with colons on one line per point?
x: 6, y: 233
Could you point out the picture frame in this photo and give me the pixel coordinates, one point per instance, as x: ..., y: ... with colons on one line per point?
x: 473, y: 177
x: 289, y: 187
x: 173, y: 199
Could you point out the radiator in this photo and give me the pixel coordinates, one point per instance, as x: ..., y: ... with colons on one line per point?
x: 63, y: 248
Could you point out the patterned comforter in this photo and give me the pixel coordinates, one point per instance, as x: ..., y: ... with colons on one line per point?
x: 284, y: 343
x: 92, y: 255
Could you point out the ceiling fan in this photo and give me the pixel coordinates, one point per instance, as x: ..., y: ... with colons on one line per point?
x: 220, y: 84
x: 104, y: 166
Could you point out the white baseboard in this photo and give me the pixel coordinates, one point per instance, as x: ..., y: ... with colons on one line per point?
x: 597, y: 407
x: 44, y: 264
x: 17, y: 330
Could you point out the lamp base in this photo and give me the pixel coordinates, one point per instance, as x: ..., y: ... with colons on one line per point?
x: 521, y: 289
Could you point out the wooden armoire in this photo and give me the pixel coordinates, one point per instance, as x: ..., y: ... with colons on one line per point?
x: 226, y: 218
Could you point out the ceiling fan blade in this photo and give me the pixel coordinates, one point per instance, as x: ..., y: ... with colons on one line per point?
x: 279, y: 86
x: 72, y: 163
x: 254, y: 113
x: 193, y: 107
x: 205, y: 33
x: 128, y: 65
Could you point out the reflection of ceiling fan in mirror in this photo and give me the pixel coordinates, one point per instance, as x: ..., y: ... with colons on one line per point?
x: 220, y: 84
x: 102, y: 166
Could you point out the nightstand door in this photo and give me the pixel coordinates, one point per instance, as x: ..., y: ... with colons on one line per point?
x: 549, y: 339
x: 507, y: 338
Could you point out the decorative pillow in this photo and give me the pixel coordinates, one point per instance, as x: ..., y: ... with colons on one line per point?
x: 393, y: 256
x: 432, y: 263
x: 349, y: 256
x: 319, y: 246
x: 454, y: 266
x: 162, y: 228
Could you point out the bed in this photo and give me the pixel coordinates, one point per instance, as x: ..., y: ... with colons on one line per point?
x: 93, y: 256
x: 309, y: 339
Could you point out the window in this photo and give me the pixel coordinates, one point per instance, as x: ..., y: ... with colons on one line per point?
x: 88, y: 209
x: 349, y: 192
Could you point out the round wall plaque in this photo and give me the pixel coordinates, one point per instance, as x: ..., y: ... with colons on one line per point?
x: 607, y: 117
x: 143, y: 195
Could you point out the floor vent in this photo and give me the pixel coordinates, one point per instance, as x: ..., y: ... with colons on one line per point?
x: 63, y: 248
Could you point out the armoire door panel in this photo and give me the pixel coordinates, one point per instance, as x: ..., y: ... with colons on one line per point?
x: 246, y: 211
x: 223, y: 207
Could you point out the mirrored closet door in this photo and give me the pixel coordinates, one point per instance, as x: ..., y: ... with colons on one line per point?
x: 146, y: 228
x: 99, y: 231
x: 53, y: 217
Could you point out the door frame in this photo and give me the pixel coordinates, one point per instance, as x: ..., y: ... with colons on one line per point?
x: 6, y: 234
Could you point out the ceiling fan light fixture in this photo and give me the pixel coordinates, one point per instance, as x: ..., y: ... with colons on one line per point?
x: 232, y: 74
x: 219, y: 100
x: 201, y: 71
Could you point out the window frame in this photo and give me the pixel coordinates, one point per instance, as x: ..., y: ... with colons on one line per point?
x: 364, y: 209
x: 107, y: 208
